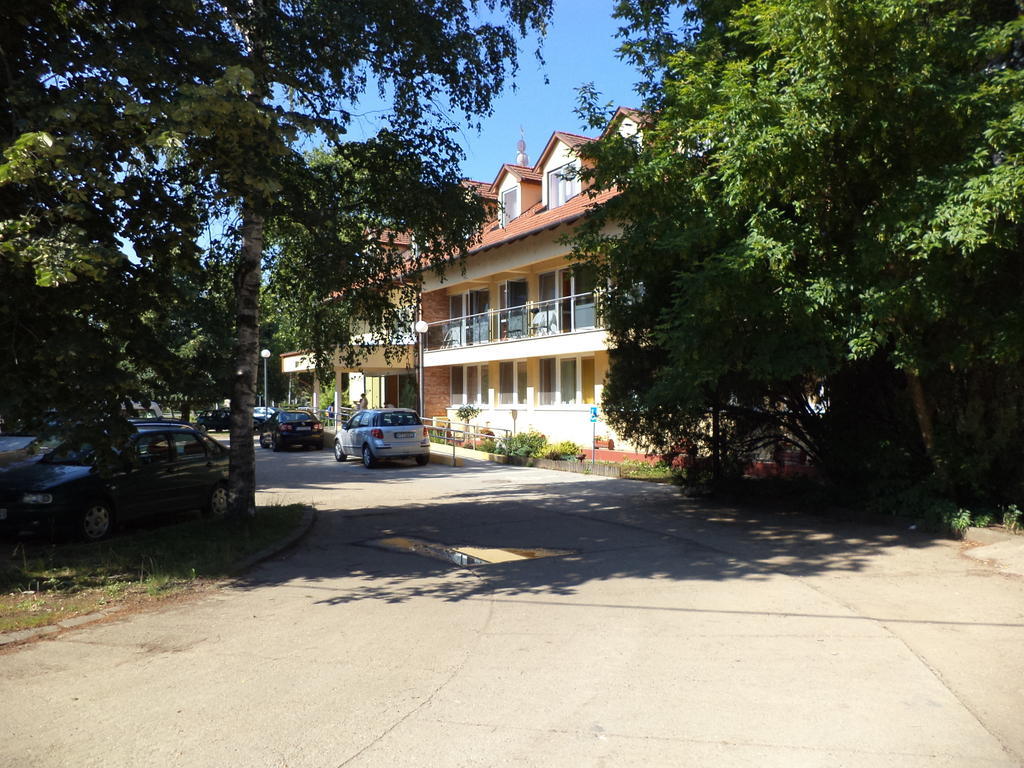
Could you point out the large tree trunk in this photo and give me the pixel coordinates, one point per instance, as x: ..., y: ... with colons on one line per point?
x: 242, y: 472
x: 926, y: 425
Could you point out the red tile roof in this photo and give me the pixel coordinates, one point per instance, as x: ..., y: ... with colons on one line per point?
x: 538, y: 218
x: 521, y: 172
x: 482, y: 188
x: 573, y: 139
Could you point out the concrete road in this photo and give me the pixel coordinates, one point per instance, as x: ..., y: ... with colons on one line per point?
x: 673, y: 635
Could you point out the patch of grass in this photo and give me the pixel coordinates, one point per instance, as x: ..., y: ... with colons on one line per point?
x: 642, y: 470
x: 42, y: 583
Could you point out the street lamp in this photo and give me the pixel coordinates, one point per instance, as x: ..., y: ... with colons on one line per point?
x: 420, y: 327
x: 265, y: 354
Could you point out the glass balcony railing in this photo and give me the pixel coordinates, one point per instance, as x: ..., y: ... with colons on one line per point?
x: 541, y: 318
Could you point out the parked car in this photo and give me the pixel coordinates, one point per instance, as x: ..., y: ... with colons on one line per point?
x: 260, y: 414
x: 217, y: 421
x: 383, y: 433
x: 287, y: 428
x: 165, y: 466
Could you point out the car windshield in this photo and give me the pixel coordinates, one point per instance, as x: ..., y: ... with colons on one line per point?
x: 398, y: 419
x: 68, y: 453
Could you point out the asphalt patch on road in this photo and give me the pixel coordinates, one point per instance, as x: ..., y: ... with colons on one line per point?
x: 462, y: 555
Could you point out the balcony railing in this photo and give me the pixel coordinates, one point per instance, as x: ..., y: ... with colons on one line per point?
x: 541, y: 318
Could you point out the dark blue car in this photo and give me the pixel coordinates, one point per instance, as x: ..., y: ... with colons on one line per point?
x: 165, y: 467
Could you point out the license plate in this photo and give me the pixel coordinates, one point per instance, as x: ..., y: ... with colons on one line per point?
x: 400, y: 435
x: 303, y: 429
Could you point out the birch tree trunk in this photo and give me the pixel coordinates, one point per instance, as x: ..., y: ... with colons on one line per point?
x: 242, y: 474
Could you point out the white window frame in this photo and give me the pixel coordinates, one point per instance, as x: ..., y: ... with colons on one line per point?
x: 509, y: 211
x: 561, y: 189
x: 482, y: 394
x: 519, y: 399
x: 578, y: 398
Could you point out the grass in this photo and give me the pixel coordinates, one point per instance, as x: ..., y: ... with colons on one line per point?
x: 642, y: 470
x: 42, y: 583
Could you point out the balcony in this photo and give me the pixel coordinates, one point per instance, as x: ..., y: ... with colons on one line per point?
x: 528, y: 321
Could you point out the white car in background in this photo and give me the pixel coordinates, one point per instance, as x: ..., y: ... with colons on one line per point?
x: 383, y: 433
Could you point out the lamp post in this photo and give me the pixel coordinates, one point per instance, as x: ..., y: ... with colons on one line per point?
x: 265, y: 354
x: 420, y: 327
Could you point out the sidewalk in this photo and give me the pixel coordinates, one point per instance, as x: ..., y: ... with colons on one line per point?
x: 999, y: 548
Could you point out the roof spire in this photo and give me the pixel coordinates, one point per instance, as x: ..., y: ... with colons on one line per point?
x: 521, y: 157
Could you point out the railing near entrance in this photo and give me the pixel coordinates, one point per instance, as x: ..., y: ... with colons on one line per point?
x: 443, y: 431
x: 540, y: 318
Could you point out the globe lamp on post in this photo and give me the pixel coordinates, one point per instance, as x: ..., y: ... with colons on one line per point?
x: 265, y: 354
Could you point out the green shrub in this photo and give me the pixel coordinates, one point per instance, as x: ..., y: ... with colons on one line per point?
x: 488, y: 445
x: 467, y: 413
x: 566, y: 450
x: 530, y: 444
x: 1011, y: 518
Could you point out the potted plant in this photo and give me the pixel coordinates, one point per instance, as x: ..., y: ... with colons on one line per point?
x: 466, y: 413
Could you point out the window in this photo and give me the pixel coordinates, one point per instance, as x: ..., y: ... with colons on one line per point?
x: 512, y: 316
x: 512, y: 383
x: 397, y: 419
x: 470, y: 384
x: 509, y: 205
x: 567, y: 381
x: 188, y: 446
x: 559, y: 381
x: 153, y: 448
x: 458, y: 388
x: 548, y: 382
x: 560, y: 188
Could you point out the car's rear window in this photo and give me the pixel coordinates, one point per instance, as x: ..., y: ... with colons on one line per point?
x: 397, y: 419
x: 294, y: 416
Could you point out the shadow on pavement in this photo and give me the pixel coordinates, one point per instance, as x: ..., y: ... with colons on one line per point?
x: 617, y: 529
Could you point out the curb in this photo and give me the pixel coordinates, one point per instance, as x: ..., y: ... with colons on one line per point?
x: 308, y: 518
x: 21, y: 635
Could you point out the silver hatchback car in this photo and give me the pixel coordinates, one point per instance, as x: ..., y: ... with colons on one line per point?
x: 383, y: 433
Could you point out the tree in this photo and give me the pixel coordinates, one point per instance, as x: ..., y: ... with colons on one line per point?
x: 133, y: 125
x: 826, y: 203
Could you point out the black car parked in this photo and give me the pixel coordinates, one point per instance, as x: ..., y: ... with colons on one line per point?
x: 292, y: 428
x: 216, y: 421
x: 164, y: 467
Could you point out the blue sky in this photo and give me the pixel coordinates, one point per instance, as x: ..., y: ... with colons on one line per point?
x: 580, y: 47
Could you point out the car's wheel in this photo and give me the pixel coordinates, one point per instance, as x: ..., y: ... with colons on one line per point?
x: 422, y: 460
x: 368, y: 461
x: 319, y: 446
x: 96, y: 521
x: 275, y: 443
x: 202, y: 428
x: 339, y: 454
x: 217, y: 503
x: 264, y: 442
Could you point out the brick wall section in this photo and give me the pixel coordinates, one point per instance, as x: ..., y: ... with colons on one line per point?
x: 436, y: 397
x: 435, y: 305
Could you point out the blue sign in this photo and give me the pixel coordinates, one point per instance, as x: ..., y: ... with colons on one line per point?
x: 593, y: 413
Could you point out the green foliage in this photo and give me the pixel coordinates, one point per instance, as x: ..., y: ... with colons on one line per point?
x: 466, y: 413
x: 142, y: 146
x: 564, y: 451
x: 488, y: 445
x: 529, y: 444
x: 820, y: 239
x: 1012, y: 518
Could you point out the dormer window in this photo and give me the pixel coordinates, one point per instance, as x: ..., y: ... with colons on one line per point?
x: 509, y: 205
x: 563, y: 184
